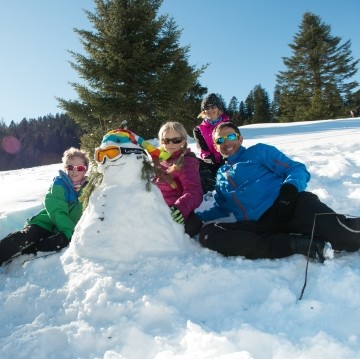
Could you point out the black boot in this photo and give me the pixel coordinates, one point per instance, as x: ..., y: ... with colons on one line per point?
x: 319, y: 249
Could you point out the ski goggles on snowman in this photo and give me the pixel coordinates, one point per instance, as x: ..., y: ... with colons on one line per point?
x: 112, y: 153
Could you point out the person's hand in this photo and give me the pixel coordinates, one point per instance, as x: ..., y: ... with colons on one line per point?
x: 285, y: 203
x: 48, y: 244
x: 29, y: 249
x: 177, y: 215
x: 53, y: 243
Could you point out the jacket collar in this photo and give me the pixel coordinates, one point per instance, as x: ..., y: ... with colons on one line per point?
x: 236, y: 156
x: 73, y: 195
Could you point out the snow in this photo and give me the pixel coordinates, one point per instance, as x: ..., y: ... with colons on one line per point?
x: 133, y: 285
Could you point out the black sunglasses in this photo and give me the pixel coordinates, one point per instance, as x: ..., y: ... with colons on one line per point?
x: 175, y: 140
x: 210, y: 107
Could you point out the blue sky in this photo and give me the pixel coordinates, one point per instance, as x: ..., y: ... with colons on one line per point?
x: 242, y: 41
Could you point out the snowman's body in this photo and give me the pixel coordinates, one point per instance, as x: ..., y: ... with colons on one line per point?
x: 123, y: 220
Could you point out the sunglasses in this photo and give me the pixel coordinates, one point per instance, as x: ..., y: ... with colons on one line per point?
x: 76, y: 168
x: 175, y: 140
x: 115, y: 152
x: 229, y: 137
x: 210, y: 107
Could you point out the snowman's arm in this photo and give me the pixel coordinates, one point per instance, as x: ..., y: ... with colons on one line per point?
x: 155, y: 152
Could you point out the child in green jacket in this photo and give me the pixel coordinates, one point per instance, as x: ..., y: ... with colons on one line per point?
x: 52, y: 228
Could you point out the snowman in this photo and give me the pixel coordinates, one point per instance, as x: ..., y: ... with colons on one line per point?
x: 124, y: 218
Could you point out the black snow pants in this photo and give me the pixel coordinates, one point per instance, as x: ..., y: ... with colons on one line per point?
x: 309, y: 212
x: 248, y: 239
x: 193, y: 225
x: 208, y: 175
x: 271, y: 238
x: 31, y: 239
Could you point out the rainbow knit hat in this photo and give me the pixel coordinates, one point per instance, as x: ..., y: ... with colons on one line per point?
x: 126, y: 138
x: 122, y: 137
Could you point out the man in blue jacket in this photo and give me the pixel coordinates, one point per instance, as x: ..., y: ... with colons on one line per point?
x: 265, y: 191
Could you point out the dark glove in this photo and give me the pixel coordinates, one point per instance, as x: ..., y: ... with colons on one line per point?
x: 284, y: 205
x: 177, y: 215
x: 209, y: 159
x: 54, y: 243
x: 29, y: 249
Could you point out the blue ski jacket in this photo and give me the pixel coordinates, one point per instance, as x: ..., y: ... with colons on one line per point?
x: 249, y: 182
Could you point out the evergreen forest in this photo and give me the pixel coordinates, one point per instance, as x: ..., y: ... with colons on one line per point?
x: 37, y: 142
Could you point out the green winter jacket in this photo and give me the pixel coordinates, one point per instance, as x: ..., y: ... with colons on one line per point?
x: 62, y: 208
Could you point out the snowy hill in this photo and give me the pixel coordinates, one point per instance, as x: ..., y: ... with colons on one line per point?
x: 132, y: 285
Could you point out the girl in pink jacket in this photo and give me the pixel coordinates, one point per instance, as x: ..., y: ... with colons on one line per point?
x: 212, y: 113
x: 177, y: 174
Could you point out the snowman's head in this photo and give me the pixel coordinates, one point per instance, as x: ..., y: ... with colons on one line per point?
x: 114, y: 146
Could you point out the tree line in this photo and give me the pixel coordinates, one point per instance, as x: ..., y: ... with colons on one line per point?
x: 37, y: 142
x: 134, y: 71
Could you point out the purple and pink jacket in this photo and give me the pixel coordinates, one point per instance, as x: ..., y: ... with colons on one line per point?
x: 181, y: 189
x: 203, y: 137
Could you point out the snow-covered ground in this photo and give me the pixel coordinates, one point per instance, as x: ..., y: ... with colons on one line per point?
x: 132, y: 285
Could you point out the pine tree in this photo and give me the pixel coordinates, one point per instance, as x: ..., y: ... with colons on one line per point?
x: 233, y: 110
x: 134, y: 70
x: 275, y: 105
x: 242, y: 113
x: 249, y: 105
x: 317, y: 82
x: 354, y: 104
x: 262, y: 111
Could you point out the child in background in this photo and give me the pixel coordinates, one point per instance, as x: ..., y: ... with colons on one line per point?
x: 212, y: 113
x: 52, y: 228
